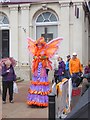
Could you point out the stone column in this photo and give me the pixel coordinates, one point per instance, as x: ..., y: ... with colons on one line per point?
x: 24, y: 54
x: 85, y: 42
x: 78, y: 33
x: 14, y: 31
x: 88, y: 40
x: 23, y: 43
x: 71, y: 12
x: 64, y: 26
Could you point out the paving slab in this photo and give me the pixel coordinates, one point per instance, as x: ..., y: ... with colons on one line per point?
x: 19, y: 109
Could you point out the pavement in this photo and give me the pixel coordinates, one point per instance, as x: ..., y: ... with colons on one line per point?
x: 19, y: 109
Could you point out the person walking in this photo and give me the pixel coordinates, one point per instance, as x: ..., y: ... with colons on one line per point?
x: 75, y: 69
x: 8, y: 76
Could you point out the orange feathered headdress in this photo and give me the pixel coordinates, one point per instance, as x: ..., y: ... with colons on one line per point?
x: 40, y: 41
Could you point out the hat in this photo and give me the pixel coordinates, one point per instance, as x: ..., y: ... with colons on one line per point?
x: 68, y: 56
x: 40, y: 41
x: 75, y: 54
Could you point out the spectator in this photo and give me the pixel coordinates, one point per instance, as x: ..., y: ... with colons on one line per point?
x: 86, y: 76
x: 61, y: 69
x: 67, y: 72
x: 87, y: 71
x: 75, y: 69
x: 8, y: 76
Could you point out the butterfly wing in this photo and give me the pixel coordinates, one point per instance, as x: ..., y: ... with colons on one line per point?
x: 31, y: 46
x: 52, y: 47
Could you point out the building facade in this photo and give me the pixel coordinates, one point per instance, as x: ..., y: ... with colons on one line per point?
x: 20, y: 19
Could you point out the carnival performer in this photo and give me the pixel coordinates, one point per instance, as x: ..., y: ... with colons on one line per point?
x: 39, y: 86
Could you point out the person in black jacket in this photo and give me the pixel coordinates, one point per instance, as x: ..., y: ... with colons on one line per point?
x: 8, y: 76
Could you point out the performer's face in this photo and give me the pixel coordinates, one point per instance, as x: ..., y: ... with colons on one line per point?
x: 39, y: 45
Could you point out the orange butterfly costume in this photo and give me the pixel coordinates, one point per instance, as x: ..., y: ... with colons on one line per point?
x: 39, y: 88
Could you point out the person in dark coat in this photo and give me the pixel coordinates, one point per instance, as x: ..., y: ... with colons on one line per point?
x: 61, y: 69
x: 87, y: 71
x: 8, y: 76
x: 86, y: 76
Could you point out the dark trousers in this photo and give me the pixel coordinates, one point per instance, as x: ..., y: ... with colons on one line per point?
x: 61, y: 77
x: 7, y: 85
x: 67, y: 74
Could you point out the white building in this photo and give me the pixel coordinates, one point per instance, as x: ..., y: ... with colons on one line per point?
x: 20, y: 19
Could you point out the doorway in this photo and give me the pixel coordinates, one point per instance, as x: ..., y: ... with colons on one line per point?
x: 48, y: 32
x: 4, y: 41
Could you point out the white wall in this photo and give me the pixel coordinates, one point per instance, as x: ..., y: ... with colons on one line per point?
x: 13, y: 18
x: 64, y: 31
x: 22, y: 25
x: 24, y: 33
x: 78, y: 33
x: 69, y: 27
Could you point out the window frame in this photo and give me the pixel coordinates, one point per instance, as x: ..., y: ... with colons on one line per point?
x: 47, y: 23
x: 3, y: 17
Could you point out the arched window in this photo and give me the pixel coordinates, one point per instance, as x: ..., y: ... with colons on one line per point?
x: 46, y: 17
x: 3, y: 19
x: 47, y: 25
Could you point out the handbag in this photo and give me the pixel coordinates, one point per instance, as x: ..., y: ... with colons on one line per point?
x: 15, y: 88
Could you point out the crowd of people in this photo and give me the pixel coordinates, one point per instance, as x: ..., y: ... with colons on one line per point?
x: 72, y: 68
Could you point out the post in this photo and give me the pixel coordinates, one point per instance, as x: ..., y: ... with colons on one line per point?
x: 30, y: 75
x: 51, y: 107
